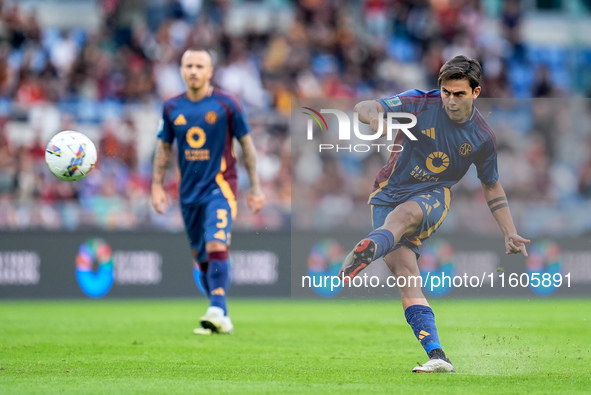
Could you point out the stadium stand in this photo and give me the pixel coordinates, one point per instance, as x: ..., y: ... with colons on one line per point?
x: 106, y: 70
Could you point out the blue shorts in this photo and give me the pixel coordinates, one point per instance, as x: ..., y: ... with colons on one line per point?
x: 435, y: 205
x: 208, y: 221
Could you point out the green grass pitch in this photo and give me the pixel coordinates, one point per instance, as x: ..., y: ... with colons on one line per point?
x: 292, y: 346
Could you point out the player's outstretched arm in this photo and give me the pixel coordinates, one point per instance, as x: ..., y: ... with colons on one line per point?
x: 369, y: 112
x: 161, y: 163
x: 255, y: 198
x: 499, y: 207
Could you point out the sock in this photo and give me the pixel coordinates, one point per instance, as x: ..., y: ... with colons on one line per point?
x: 217, y: 278
x: 437, y: 353
x: 422, y: 321
x: 203, y: 276
x: 384, y: 240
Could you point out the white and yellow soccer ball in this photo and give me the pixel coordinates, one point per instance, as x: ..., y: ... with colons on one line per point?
x: 70, y: 155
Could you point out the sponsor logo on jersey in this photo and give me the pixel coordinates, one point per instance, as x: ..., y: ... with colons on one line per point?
x: 196, y: 137
x: 437, y: 162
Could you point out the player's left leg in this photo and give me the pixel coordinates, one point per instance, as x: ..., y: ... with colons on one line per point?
x: 201, y: 261
x: 403, y: 262
x: 218, y: 225
x: 419, y: 315
x: 203, y: 265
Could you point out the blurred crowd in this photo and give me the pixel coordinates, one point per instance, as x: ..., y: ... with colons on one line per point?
x: 110, y: 83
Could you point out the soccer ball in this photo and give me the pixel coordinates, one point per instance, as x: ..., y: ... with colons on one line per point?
x: 70, y: 155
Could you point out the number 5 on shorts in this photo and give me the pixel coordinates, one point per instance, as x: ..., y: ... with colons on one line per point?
x: 223, y: 222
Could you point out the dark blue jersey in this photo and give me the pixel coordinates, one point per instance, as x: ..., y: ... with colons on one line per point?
x: 442, y: 154
x: 204, y: 130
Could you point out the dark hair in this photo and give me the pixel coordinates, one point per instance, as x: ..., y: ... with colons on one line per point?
x: 198, y: 48
x: 460, y: 67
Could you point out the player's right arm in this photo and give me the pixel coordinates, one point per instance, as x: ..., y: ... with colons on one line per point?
x: 161, y: 162
x: 369, y: 112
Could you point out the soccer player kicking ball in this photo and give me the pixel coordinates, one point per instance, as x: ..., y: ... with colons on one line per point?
x: 204, y: 121
x: 411, y: 195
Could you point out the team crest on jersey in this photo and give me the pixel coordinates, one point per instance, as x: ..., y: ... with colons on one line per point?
x: 465, y: 149
x: 394, y: 102
x: 180, y: 120
x: 211, y: 117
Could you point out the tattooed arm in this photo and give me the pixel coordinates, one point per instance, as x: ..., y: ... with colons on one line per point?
x: 255, y: 198
x: 161, y: 163
x: 499, y: 207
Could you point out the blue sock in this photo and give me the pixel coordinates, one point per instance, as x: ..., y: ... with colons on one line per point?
x: 217, y: 279
x: 203, y: 277
x: 384, y: 240
x: 422, y: 321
